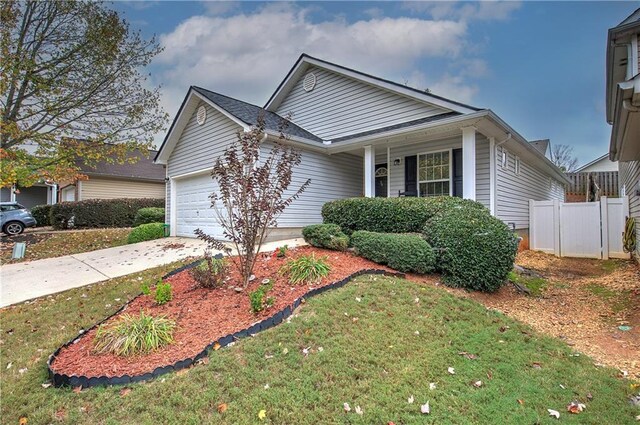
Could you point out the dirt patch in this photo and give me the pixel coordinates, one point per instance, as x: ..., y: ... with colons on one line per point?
x: 584, y: 302
x: 203, y: 315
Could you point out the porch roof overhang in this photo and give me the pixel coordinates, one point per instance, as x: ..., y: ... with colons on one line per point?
x: 485, y: 122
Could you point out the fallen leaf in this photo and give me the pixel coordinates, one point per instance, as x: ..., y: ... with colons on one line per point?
x: 60, y: 414
x: 575, y: 407
x: 358, y: 299
x: 410, y: 399
x: 477, y: 384
x: 432, y: 385
x: 359, y: 410
x: 563, y: 387
x: 262, y: 414
x: 554, y: 413
x: 417, y: 332
x: 46, y: 385
x: 424, y: 409
x: 489, y: 375
x: 216, y: 346
x: 222, y: 407
x: 23, y: 420
x: 266, y: 386
x: 125, y: 392
x: 9, y: 365
x: 536, y: 365
x: 23, y: 370
x: 451, y: 370
x: 520, y: 402
x: 417, y: 300
x: 285, y: 351
x: 637, y: 418
x: 589, y: 396
x: 320, y: 349
x: 346, y: 407
x: 77, y: 389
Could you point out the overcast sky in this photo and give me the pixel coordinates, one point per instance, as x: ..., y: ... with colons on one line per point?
x: 540, y: 66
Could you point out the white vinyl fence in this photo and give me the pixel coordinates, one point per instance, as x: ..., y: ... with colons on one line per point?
x: 580, y: 229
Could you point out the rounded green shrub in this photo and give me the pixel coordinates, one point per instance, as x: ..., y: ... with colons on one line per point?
x: 146, y: 232
x: 326, y: 236
x: 41, y: 213
x: 389, y: 215
x: 148, y: 215
x: 403, y: 252
x: 475, y: 250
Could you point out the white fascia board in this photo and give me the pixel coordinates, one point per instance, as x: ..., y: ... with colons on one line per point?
x: 274, y: 136
x: 423, y: 97
x: 463, y: 120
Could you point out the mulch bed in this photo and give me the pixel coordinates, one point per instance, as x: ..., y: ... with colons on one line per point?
x: 203, y: 315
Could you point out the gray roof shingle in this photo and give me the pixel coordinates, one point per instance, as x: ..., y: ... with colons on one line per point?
x: 248, y: 114
x: 143, y: 169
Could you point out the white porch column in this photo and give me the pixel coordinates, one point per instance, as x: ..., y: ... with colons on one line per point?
x: 469, y: 163
x: 369, y: 171
x: 388, y: 171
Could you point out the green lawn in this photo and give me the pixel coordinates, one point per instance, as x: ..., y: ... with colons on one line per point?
x: 375, y: 362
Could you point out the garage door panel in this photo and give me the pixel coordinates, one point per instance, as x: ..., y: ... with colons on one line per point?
x: 193, y: 206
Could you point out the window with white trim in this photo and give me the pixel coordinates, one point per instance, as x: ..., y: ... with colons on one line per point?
x: 434, y: 174
x: 504, y: 159
x: 516, y: 165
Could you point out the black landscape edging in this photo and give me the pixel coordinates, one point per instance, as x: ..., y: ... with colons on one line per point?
x: 278, y: 317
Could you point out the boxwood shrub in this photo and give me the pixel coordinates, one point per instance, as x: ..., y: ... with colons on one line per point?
x: 403, y: 252
x: 146, y: 232
x: 97, y: 213
x: 41, y: 213
x: 149, y: 215
x: 389, y: 215
x: 326, y: 236
x: 475, y: 250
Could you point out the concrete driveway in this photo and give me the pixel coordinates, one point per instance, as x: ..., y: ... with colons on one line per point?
x: 24, y: 281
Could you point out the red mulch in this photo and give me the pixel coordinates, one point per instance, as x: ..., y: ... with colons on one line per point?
x: 203, y: 315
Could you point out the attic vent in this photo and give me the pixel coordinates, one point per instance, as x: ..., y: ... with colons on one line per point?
x: 202, y: 115
x: 309, y: 82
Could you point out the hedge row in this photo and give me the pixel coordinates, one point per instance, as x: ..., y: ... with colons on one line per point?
x: 146, y: 232
x: 149, y: 215
x: 390, y: 215
x: 328, y: 236
x: 98, y: 213
x: 402, y: 252
x: 41, y: 213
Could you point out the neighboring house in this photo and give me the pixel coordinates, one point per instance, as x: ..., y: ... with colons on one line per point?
x: 141, y: 179
x: 623, y: 109
x: 602, y: 163
x: 359, y: 135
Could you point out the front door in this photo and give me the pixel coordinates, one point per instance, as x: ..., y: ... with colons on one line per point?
x: 382, y: 175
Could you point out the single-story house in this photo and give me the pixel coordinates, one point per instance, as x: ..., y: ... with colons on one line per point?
x: 359, y: 135
x: 623, y: 109
x: 140, y: 179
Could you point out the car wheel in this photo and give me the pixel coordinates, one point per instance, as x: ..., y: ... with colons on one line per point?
x: 13, y: 228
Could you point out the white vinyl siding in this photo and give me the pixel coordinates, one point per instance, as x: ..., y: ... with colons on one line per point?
x: 101, y: 188
x: 630, y: 179
x: 332, y: 177
x: 340, y: 106
x: 396, y: 172
x: 199, y: 146
x: 513, y: 191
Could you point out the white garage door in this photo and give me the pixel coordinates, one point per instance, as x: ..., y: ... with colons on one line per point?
x: 193, y: 206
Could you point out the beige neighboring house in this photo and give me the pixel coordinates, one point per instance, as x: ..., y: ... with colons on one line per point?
x: 142, y: 179
x: 599, y: 164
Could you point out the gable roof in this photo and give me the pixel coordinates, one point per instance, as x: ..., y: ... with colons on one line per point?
x: 143, y: 169
x: 595, y: 161
x: 248, y: 114
x: 542, y: 145
x: 304, y: 61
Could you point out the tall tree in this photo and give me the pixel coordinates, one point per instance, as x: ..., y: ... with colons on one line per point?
x: 562, y: 156
x: 72, y: 85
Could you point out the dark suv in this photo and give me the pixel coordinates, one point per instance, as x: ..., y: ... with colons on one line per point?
x: 14, y: 218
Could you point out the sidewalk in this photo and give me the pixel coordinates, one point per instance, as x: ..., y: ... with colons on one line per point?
x: 24, y: 281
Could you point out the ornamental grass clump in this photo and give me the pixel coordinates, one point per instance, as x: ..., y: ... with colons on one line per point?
x: 130, y: 335
x: 306, y: 269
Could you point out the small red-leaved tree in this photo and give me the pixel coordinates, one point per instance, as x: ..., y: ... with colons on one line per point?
x: 251, y: 193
